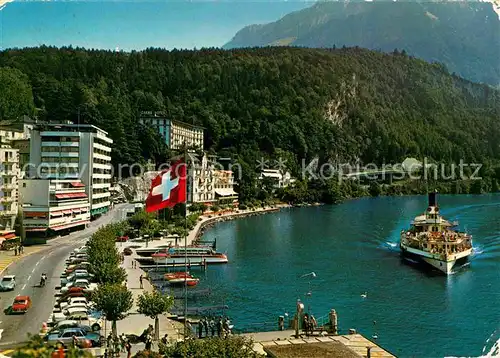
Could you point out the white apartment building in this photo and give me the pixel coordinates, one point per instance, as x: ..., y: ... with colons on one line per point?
x: 9, y: 174
x: 72, y: 151
x: 53, y: 204
x: 175, y: 133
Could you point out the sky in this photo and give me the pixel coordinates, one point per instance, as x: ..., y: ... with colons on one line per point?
x: 133, y: 24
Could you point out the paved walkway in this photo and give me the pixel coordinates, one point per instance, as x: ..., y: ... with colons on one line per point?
x: 136, y: 323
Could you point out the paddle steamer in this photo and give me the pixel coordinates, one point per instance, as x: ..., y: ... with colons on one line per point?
x: 432, y: 239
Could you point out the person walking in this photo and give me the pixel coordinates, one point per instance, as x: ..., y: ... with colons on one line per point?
x: 212, y: 327
x: 15, y: 251
x: 200, y: 329
x: 140, y: 281
x: 128, y: 347
x: 205, y: 325
x: 219, y: 327
x: 149, y: 342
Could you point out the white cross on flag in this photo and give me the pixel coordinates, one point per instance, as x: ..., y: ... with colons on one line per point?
x: 168, y: 188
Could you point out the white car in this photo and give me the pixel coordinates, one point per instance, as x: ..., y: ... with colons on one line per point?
x: 77, y: 314
x: 83, y: 283
x: 74, y: 301
x: 8, y: 283
x: 78, y: 274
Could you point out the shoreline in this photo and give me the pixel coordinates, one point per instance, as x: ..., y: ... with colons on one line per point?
x: 208, y: 220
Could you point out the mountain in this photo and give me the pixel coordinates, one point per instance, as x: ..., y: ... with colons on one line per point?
x: 465, y: 36
x: 340, y: 105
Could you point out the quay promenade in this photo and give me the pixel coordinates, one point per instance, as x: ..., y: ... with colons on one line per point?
x: 284, y: 344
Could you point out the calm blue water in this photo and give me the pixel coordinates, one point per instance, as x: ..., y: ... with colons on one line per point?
x: 352, y: 249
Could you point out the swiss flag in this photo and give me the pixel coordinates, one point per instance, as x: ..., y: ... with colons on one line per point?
x: 168, y: 188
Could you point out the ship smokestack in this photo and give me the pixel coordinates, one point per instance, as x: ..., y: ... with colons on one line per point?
x: 433, y: 198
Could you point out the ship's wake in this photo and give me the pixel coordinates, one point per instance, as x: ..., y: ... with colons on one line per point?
x: 491, y: 347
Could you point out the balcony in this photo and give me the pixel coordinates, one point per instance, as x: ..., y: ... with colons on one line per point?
x: 60, y: 154
x: 60, y: 144
x: 8, y: 186
x: 6, y: 199
x: 102, y: 157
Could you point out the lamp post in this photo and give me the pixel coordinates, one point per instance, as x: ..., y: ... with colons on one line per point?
x: 309, y: 293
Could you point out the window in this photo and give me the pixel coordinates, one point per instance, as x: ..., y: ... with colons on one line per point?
x: 24, y: 185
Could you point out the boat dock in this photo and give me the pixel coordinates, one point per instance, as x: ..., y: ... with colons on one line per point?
x: 175, y: 265
x: 284, y: 344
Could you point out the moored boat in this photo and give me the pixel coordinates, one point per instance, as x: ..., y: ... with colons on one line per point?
x: 431, y: 239
x: 194, y: 255
x: 190, y: 281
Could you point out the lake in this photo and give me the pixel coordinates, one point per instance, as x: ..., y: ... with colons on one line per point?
x: 352, y: 249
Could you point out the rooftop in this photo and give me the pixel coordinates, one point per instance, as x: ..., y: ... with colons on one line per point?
x: 69, y: 127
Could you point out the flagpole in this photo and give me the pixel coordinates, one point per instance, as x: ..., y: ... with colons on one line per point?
x: 185, y: 244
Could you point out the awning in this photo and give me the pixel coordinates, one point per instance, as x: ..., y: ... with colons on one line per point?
x: 35, y: 214
x: 71, y: 196
x: 225, y: 192
x: 56, y: 213
x: 77, y: 184
x: 61, y: 227
x: 67, y: 212
x: 8, y: 236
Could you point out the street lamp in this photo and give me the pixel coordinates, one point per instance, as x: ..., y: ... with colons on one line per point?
x: 309, y: 293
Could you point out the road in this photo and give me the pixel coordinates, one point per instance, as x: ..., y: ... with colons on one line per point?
x: 49, y: 260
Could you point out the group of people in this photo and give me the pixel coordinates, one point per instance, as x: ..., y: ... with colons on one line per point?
x: 18, y: 250
x: 116, y: 345
x: 309, y: 324
x: 209, y: 327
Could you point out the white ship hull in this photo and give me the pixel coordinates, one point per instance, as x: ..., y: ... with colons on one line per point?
x: 190, y: 260
x: 443, y: 263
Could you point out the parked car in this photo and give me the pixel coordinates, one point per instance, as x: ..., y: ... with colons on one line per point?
x: 8, y: 283
x: 21, y: 304
x: 66, y: 337
x: 72, y: 301
x: 122, y: 239
x: 84, y: 284
x: 77, y: 314
x: 80, y: 266
x: 76, y: 275
x: 62, y: 325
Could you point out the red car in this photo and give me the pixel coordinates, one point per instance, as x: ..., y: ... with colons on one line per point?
x: 21, y: 304
x: 122, y: 239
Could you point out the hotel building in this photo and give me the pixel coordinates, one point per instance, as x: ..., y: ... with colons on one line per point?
x: 174, y: 133
x: 70, y: 152
x: 208, y: 185
x: 54, y: 204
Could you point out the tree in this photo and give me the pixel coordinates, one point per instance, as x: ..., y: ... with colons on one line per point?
x: 103, y: 255
x: 19, y: 226
x: 232, y: 346
x: 154, y: 304
x: 113, y: 300
x: 375, y: 189
x: 16, y: 97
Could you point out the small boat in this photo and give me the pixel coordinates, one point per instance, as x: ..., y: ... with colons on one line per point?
x: 173, y: 275
x: 190, y: 281
x: 194, y: 255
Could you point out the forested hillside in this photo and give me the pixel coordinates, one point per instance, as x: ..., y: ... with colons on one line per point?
x: 465, y: 36
x: 342, y: 105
